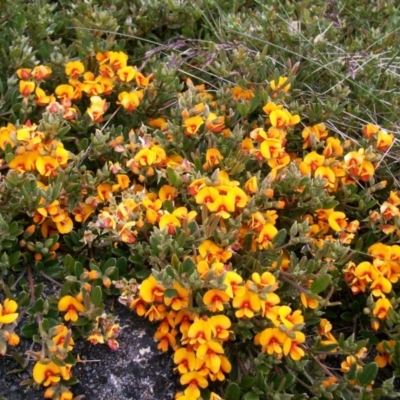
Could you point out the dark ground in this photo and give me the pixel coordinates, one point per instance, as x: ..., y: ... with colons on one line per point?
x: 137, y: 371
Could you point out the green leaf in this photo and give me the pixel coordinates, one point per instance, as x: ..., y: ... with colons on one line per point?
x: 247, y: 382
x: 251, y: 396
x: 368, y: 374
x: 232, y: 391
x: 279, y: 238
x: 96, y: 295
x: 320, y: 284
x: 29, y: 330
x: 283, y: 382
x: 170, y: 293
x: 143, y: 274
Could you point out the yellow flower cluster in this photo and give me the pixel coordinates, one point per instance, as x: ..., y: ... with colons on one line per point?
x: 8, y: 316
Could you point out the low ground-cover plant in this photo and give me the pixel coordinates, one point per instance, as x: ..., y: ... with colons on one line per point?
x: 244, y: 218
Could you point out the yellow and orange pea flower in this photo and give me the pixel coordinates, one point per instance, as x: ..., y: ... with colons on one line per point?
x: 181, y: 300
x: 337, y: 221
x: 42, y: 99
x: 8, y: 312
x: 213, y: 157
x: 130, y: 101
x: 242, y: 94
x: 384, y: 358
x: 167, y: 192
x: 41, y: 72
x: 26, y: 88
x: 381, y: 308
x: 266, y: 280
x: 97, y: 108
x: 271, y: 340
x: 214, y: 299
x: 186, y: 359
x: 126, y: 74
x: 199, y: 332
x: 194, y: 380
x: 72, y: 307
x: 290, y: 319
x: 151, y: 291
x: 267, y: 233
x: 384, y: 140
x: 192, y: 125
x: 281, y: 85
x: 46, y: 372
x: 247, y: 304
x: 348, y: 362
x: 370, y: 130
x: 60, y: 334
x: 169, y: 222
x: 291, y: 348
x: 74, y: 69
x: 233, y: 281
x: 210, y: 352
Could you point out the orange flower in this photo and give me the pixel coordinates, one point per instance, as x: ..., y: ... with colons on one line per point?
x: 41, y: 72
x: 271, y: 148
x: 130, y: 101
x: 104, y: 191
x: 97, y: 108
x: 272, y: 340
x: 232, y: 281
x: 46, y: 373
x: 291, y: 348
x: 281, y: 84
x: 219, y: 325
x: 65, y: 225
x: 247, y: 304
x: 366, y: 271
x: 195, y: 380
x: 42, y: 99
x: 47, y: 166
x: 169, y: 222
x: 214, y: 300
x: 269, y: 306
x: 26, y: 88
x: 265, y: 280
x: 74, y: 69
x: 223, y: 205
x: 126, y: 74
x: 207, y: 195
x: 346, y: 365
x: 381, y: 308
x: 151, y: 291
x: 24, y: 73
x: 384, y: 140
x: 24, y: 163
x: 384, y: 357
x: 288, y: 318
x: 209, y: 353
x: 192, y: 125
x: 370, y: 130
x: 213, y: 157
x: 181, y: 300
x: 166, y: 339
x: 380, y: 285
x: 199, y: 332
x: 60, y: 334
x: 72, y: 306
x: 8, y: 312
x: 251, y: 185
x: 186, y: 360
x: 266, y: 235
x: 337, y: 221
x: 167, y: 192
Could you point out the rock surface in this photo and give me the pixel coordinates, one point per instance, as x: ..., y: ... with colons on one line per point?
x: 137, y: 371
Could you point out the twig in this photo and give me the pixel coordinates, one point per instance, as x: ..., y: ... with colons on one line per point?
x: 50, y: 279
